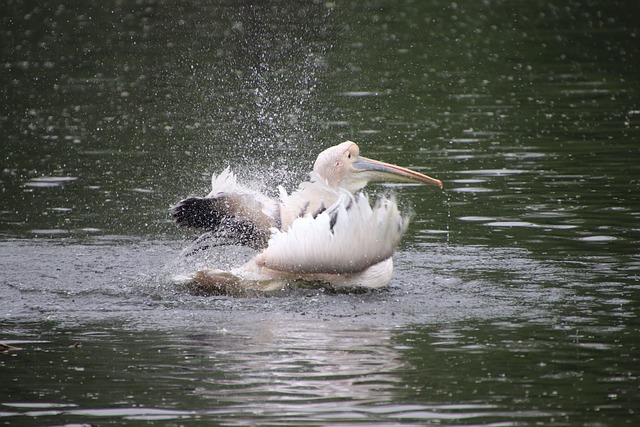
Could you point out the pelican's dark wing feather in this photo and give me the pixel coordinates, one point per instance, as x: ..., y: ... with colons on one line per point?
x: 197, y: 212
x: 232, y: 210
x: 214, y: 215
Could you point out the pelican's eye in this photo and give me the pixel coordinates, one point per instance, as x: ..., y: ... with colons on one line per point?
x: 348, y: 155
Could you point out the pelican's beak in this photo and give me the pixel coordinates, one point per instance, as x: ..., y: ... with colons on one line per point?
x: 380, y: 171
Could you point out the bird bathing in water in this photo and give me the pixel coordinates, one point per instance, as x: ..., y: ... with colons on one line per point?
x: 325, y: 231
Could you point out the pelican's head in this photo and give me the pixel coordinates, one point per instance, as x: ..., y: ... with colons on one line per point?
x: 342, y: 166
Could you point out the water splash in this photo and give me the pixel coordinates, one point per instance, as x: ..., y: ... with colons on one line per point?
x: 262, y: 106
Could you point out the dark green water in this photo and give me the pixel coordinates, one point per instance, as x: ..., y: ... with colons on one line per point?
x: 516, y: 294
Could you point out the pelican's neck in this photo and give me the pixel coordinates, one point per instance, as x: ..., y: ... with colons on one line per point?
x: 351, y: 184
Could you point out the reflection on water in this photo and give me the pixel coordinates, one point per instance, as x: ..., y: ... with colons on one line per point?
x: 274, y: 370
x: 310, y: 372
x: 515, y: 298
x: 283, y: 366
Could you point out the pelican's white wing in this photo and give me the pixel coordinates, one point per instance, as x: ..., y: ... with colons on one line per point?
x: 242, y: 202
x: 311, y: 197
x: 242, y: 199
x: 225, y: 182
x: 347, y: 238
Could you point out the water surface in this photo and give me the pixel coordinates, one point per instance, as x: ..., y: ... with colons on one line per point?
x: 515, y: 299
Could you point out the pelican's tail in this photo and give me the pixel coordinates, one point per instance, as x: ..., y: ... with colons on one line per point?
x: 220, y: 282
x: 209, y: 282
x: 348, y: 237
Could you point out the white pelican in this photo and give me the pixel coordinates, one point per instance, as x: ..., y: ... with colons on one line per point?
x: 325, y: 231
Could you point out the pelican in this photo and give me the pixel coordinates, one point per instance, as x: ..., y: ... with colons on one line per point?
x: 325, y: 231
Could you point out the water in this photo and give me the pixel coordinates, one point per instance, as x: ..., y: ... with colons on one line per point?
x: 515, y: 299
